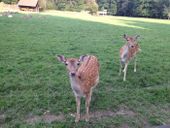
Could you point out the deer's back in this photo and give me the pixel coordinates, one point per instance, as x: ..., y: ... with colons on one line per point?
x: 88, y: 72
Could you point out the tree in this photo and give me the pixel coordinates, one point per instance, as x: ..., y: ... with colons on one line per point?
x: 144, y: 8
x: 167, y: 12
x: 166, y: 9
x: 103, y: 4
x: 92, y: 6
x: 61, y: 4
x: 70, y: 5
x: 42, y: 4
x: 127, y: 7
x: 9, y: 1
x: 112, y: 7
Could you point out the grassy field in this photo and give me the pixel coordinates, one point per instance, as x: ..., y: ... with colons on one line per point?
x: 34, y: 86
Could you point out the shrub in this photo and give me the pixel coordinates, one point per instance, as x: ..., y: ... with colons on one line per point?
x: 61, y: 6
x: 46, y: 4
x: 92, y: 7
x: 42, y: 4
x: 50, y: 5
x: 9, y: 1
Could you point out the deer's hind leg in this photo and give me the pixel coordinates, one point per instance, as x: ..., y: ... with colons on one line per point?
x: 122, y: 64
x: 120, y: 69
x: 88, y: 100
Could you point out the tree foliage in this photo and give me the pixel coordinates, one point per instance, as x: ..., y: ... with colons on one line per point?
x: 9, y: 1
x: 91, y: 6
x: 109, y: 5
x: 140, y: 8
x: 70, y: 5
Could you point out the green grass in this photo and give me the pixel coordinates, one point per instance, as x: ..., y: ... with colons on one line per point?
x: 32, y: 81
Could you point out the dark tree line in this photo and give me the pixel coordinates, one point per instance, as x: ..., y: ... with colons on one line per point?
x: 140, y: 8
x: 135, y: 8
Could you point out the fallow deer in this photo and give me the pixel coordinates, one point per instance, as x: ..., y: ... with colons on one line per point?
x: 84, y: 76
x: 128, y: 52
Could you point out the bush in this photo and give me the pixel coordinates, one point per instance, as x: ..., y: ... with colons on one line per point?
x: 9, y: 1
x: 50, y: 5
x: 166, y: 12
x: 42, y: 4
x: 46, y: 4
x: 92, y: 8
x: 61, y: 6
x: 74, y: 5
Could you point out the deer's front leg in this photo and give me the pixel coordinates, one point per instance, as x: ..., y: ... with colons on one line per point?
x: 88, y: 99
x: 135, y: 64
x: 78, y: 109
x: 125, y: 70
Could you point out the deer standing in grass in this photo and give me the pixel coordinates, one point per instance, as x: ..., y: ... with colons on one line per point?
x: 84, y: 76
x: 128, y: 52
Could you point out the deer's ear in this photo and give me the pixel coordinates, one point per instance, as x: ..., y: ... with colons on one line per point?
x: 61, y: 58
x: 125, y: 36
x: 137, y: 36
x: 82, y: 58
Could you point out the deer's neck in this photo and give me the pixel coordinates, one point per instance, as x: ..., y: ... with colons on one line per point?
x: 76, y: 86
x: 73, y: 80
x: 124, y: 55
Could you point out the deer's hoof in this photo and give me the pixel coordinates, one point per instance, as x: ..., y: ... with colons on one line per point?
x: 77, y: 119
x: 87, y: 118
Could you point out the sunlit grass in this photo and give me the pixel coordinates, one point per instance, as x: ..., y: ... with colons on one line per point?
x: 113, y: 20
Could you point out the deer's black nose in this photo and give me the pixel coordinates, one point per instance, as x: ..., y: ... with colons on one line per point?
x: 73, y: 74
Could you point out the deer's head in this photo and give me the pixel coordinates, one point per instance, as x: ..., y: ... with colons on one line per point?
x: 131, y: 40
x: 72, y: 64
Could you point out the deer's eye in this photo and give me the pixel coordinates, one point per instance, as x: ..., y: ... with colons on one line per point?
x: 66, y: 63
x: 78, y: 63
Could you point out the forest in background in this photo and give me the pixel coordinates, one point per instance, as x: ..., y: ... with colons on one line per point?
x: 132, y: 8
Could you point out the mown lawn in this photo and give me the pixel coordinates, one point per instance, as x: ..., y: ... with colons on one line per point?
x: 33, y: 82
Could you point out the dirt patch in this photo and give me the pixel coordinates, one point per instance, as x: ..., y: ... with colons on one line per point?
x: 108, y: 113
x: 162, y: 126
x: 125, y: 112
x: 125, y: 126
x: 47, y: 118
x: 2, y: 118
x: 33, y: 119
